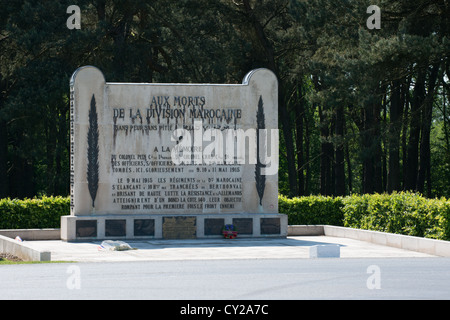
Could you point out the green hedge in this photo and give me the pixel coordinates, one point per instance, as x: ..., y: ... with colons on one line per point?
x: 402, y: 213
x: 312, y: 210
x: 44, y: 212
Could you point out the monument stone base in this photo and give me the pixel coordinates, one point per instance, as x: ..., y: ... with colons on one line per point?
x: 167, y: 226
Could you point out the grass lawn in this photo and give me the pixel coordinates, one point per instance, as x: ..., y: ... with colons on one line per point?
x: 8, y: 259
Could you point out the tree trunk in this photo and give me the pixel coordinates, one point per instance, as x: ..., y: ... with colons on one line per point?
x: 61, y: 185
x: 287, y: 132
x: 326, y: 156
x: 299, y: 114
x: 367, y: 154
x: 307, y: 158
x: 50, y: 150
x: 339, y: 153
x: 4, y: 183
x: 425, y: 164
x: 101, y: 9
x: 393, y: 179
x: 414, y: 136
x: 376, y: 141
x: 120, y: 36
x: 349, y: 169
x: 406, y: 99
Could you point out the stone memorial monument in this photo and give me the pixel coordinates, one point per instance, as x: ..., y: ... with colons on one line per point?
x: 172, y: 161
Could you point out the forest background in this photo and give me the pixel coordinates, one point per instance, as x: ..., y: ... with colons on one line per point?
x: 360, y: 110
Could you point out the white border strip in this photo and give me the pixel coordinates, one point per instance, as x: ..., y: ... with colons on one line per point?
x: 424, y: 245
x: 21, y: 250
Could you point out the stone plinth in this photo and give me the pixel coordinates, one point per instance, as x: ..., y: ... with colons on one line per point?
x: 166, y: 226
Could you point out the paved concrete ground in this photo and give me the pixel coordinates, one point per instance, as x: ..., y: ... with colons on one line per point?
x: 240, y: 248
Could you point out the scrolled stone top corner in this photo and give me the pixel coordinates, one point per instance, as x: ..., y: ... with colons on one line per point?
x: 82, y: 69
x: 260, y: 73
